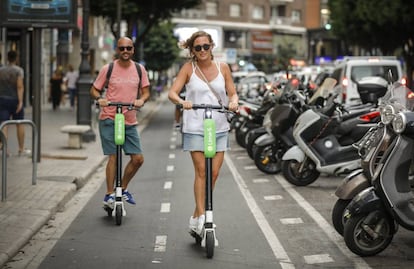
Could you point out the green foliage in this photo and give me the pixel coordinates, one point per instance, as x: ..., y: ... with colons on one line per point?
x: 161, y: 49
x: 382, y: 24
x: 133, y: 11
x: 373, y: 23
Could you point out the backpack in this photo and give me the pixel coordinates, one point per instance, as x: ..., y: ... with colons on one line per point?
x: 109, y: 72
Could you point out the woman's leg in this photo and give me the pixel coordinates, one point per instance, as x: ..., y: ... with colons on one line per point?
x: 200, y: 178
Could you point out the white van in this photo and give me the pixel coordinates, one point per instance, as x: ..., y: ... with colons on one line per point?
x: 350, y: 70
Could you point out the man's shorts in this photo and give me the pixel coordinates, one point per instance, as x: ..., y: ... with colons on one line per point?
x: 132, y: 143
x: 195, y: 142
x: 8, y: 108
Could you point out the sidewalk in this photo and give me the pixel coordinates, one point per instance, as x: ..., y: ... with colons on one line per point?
x: 60, y: 173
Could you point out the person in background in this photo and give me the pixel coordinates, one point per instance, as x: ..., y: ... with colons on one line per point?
x: 192, y: 75
x: 71, y: 78
x: 122, y: 87
x: 11, y: 97
x: 55, y: 88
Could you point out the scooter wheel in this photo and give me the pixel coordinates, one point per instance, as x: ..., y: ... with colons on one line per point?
x: 210, y: 244
x: 368, y: 235
x: 118, y: 215
x: 337, y: 215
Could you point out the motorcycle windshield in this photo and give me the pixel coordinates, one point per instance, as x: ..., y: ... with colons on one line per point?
x: 399, y: 95
x: 327, y: 88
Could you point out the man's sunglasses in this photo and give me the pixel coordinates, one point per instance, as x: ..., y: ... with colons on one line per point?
x: 199, y: 47
x: 122, y: 48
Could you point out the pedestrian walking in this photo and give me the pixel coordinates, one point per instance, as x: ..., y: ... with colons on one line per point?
x: 71, y: 79
x: 55, y: 88
x: 11, y: 97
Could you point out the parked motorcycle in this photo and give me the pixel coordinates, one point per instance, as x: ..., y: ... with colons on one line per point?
x: 371, y: 149
x: 373, y: 216
x: 253, y: 119
x: 268, y: 148
x: 283, y: 96
x: 324, y: 141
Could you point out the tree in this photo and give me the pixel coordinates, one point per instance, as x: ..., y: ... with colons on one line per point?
x: 161, y: 49
x: 376, y: 24
x: 141, y: 15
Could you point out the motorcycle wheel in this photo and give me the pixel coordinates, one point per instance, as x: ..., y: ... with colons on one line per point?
x: 337, y: 215
x: 360, y: 241
x: 251, y: 147
x: 240, y: 136
x: 308, y: 175
x: 266, y: 160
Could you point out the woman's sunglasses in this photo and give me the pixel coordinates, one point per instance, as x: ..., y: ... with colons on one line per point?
x: 122, y: 48
x: 199, y: 47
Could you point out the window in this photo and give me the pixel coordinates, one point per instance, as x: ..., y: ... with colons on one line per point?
x: 235, y: 10
x: 258, y: 13
x: 296, y: 16
x: 211, y: 8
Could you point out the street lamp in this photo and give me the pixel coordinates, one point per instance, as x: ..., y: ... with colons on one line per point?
x: 84, y: 109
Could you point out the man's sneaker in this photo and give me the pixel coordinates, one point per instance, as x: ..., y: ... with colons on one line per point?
x: 193, y: 224
x: 200, y: 225
x: 128, y: 197
x: 109, y: 200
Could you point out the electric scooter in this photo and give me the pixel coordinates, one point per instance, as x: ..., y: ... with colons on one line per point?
x: 208, y: 238
x: 118, y: 210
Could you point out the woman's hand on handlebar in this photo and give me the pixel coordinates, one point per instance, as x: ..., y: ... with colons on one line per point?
x: 233, y: 106
x: 187, y: 105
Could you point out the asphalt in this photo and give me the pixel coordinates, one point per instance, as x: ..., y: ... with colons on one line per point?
x: 27, y: 207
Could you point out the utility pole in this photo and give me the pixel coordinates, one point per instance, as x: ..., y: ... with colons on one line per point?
x: 84, y: 111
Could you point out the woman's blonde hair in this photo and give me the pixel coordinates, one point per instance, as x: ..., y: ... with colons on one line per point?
x: 189, y: 43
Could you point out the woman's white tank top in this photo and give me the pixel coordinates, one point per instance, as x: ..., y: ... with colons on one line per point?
x: 198, y: 92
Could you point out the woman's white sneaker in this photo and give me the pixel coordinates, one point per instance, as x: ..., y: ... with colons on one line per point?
x: 193, y: 224
x: 200, y: 226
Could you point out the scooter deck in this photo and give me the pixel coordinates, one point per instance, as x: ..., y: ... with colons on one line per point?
x: 196, y: 236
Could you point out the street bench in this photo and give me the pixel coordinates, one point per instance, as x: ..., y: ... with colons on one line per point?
x: 75, y: 134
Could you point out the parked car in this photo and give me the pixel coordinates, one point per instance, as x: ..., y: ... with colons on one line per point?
x: 253, y: 85
x: 349, y: 71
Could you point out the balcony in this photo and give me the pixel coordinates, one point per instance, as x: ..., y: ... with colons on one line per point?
x: 281, y: 21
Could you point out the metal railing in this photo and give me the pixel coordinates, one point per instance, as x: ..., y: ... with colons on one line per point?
x: 4, y: 154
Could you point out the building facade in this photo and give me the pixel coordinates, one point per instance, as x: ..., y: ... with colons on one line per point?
x: 263, y: 32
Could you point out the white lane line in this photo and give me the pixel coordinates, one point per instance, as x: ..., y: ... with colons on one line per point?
x: 171, y: 156
x: 173, y: 146
x: 260, y: 180
x: 238, y: 149
x: 173, y: 139
x: 323, y: 224
x: 320, y: 258
x: 287, y: 221
x: 170, y: 168
x: 250, y: 167
x: 242, y: 157
x: 165, y: 207
x: 278, y: 251
x: 168, y: 185
x: 273, y: 197
x: 160, y: 243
